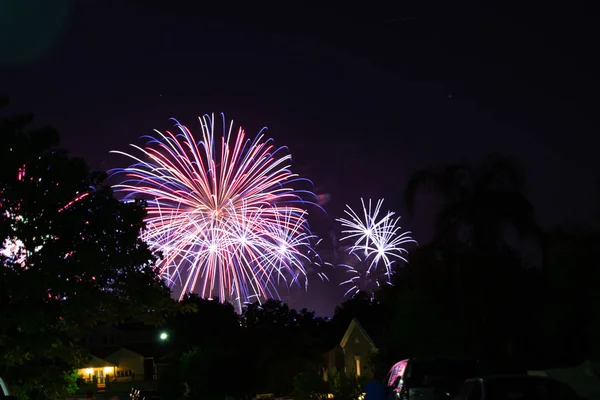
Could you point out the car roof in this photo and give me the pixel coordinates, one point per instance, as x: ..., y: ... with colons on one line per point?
x: 509, y: 376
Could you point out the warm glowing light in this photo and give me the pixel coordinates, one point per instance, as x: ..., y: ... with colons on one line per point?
x: 219, y: 209
x: 108, y: 370
x: 89, y: 371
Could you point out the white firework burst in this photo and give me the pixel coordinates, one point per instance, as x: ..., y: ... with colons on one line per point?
x: 377, y: 239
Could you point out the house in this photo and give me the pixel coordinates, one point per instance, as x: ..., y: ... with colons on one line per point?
x: 118, y: 365
x: 122, y: 355
x: 353, y: 354
x: 96, y: 369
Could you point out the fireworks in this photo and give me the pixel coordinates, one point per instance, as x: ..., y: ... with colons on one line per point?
x: 221, y: 211
x: 316, y: 264
x: 13, y: 249
x: 362, y: 279
x: 377, y: 240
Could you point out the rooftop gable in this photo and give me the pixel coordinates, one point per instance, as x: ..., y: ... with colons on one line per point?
x: 355, y: 326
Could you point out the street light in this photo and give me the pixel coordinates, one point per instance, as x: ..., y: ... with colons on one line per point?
x: 163, y: 336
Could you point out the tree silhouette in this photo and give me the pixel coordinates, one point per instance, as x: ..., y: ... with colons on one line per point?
x: 360, y: 306
x: 71, y: 258
x: 475, y: 266
x: 283, y: 342
x: 570, y: 299
x: 478, y: 202
x: 205, y: 321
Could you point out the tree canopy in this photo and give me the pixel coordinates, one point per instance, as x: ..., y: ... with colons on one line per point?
x: 72, y: 259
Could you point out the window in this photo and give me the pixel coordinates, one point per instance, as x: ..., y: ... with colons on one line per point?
x: 357, y: 361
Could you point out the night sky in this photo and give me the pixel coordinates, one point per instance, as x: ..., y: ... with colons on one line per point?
x: 363, y: 97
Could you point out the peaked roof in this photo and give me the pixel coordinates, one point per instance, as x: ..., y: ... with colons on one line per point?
x: 121, y: 351
x: 97, y: 362
x: 355, y: 325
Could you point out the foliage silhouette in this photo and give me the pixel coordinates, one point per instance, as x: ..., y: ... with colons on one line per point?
x: 473, y: 282
x: 478, y: 202
x: 80, y: 264
x: 283, y: 342
x: 309, y: 384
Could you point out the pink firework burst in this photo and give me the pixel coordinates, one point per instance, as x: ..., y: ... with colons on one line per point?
x: 222, y: 211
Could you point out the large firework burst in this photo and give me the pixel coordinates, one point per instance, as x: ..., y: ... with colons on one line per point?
x: 378, y: 240
x: 221, y: 211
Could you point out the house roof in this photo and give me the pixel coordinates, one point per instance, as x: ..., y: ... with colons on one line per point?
x: 355, y: 325
x: 97, y: 362
x: 103, y: 352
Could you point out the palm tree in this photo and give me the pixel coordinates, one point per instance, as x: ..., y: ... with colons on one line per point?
x: 483, y: 206
x: 485, y: 232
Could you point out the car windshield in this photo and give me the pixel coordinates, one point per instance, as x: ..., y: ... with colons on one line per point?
x: 527, y: 388
x: 441, y: 372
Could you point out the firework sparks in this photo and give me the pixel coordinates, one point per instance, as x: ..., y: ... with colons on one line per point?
x: 377, y: 239
x: 365, y: 280
x: 221, y: 211
x: 13, y: 249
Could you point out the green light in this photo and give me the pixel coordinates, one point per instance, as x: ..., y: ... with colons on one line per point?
x: 164, y: 336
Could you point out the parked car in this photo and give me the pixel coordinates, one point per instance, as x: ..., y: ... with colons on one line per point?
x: 515, y: 387
x: 429, y: 378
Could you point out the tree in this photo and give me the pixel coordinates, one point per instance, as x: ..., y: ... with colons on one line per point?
x: 207, y: 344
x: 72, y: 259
x: 360, y: 306
x: 283, y: 342
x: 214, y: 372
x: 309, y: 384
x: 477, y: 252
x: 345, y: 386
x: 204, y: 321
x: 477, y: 203
x: 421, y: 316
x: 570, y: 300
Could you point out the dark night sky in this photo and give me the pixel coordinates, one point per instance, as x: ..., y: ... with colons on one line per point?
x: 363, y: 97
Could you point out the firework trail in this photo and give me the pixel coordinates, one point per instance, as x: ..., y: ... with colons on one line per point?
x: 222, y: 212
x: 360, y: 279
x: 376, y: 239
x: 317, y: 266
